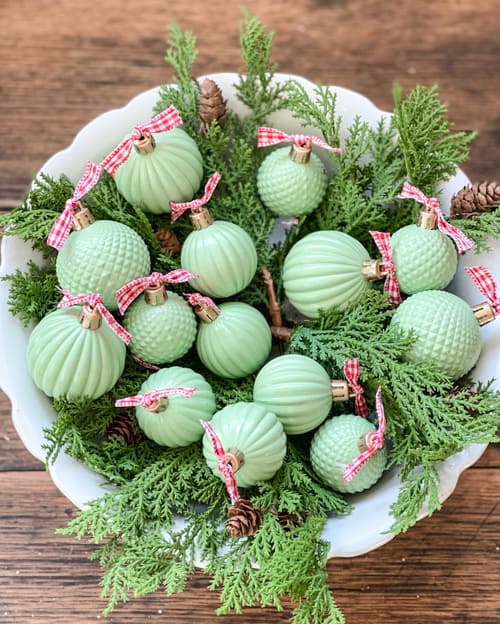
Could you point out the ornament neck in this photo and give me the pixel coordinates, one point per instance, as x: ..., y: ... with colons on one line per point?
x: 82, y: 217
x: 89, y: 317
x: 235, y: 458
x: 367, y: 441
x: 145, y: 144
x: 484, y: 313
x: 206, y: 313
x: 201, y: 218
x: 155, y: 294
x: 427, y: 220
x: 341, y: 390
x: 300, y: 153
x: 158, y: 405
x: 374, y: 270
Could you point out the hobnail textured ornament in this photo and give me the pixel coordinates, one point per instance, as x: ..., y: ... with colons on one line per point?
x: 253, y: 436
x: 101, y: 258
x: 177, y: 421
x: 336, y: 444
x: 323, y: 270
x: 295, y: 388
x: 447, y: 332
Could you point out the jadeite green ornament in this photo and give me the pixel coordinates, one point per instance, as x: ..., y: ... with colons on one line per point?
x: 336, y: 444
x: 234, y: 341
x: 323, y: 270
x: 72, y: 354
x: 100, y: 258
x: 446, y: 330
x: 161, y: 167
x: 176, y: 420
x: 295, y: 388
x: 253, y: 436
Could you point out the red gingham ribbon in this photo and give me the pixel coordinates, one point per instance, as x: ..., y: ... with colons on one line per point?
x: 95, y: 301
x: 271, y: 136
x: 432, y: 204
x: 195, y: 299
x: 351, y: 373
x: 376, y: 441
x: 391, y: 285
x: 164, y: 121
x: 127, y: 293
x: 62, y: 225
x: 223, y: 466
x: 148, y: 399
x: 483, y: 279
x: 180, y: 208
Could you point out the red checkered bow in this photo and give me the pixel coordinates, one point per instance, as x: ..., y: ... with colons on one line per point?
x: 148, y: 399
x: 351, y: 373
x: 127, y: 293
x: 95, y: 302
x: 180, y: 208
x: 195, y: 299
x: 375, y: 441
x: 432, y: 204
x: 271, y: 136
x: 164, y: 121
x: 62, y: 225
x: 485, y: 282
x: 222, y: 464
x: 391, y: 285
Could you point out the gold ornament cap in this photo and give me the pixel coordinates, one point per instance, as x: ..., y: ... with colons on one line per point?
x: 365, y: 442
x: 158, y: 406
x: 341, y: 390
x: 300, y: 153
x: 201, y: 218
x: 89, y: 317
x: 206, y: 312
x: 484, y: 313
x: 373, y: 270
x: 155, y: 294
x: 146, y: 144
x: 82, y: 217
x: 235, y: 458
x: 427, y: 220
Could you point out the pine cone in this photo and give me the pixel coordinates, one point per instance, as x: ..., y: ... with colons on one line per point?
x: 474, y: 199
x: 123, y: 427
x: 169, y: 242
x: 289, y: 520
x: 469, y: 393
x: 211, y: 105
x: 244, y: 519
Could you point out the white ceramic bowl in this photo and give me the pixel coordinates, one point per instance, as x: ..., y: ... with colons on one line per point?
x: 32, y: 411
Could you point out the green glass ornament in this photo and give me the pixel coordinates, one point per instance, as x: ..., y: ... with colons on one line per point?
x: 295, y: 388
x: 446, y: 330
x: 175, y: 420
x: 72, y: 353
x: 233, y: 340
x: 337, y: 443
x: 253, y: 439
x: 323, y: 270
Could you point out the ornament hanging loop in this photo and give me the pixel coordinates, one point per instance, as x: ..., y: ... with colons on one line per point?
x: 235, y: 458
x: 205, y: 309
x: 300, y: 152
x: 145, y: 144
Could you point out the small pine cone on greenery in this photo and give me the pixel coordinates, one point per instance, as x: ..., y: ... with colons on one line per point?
x: 169, y: 242
x: 465, y: 391
x: 244, y: 520
x: 474, y: 199
x: 289, y: 520
x: 122, y: 427
x: 211, y: 105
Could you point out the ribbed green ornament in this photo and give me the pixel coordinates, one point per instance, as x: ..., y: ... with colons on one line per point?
x: 236, y: 343
x: 100, y: 259
x: 67, y: 359
x: 168, y: 169
x: 178, y: 423
x: 446, y: 330
x: 249, y: 431
x: 295, y: 388
x: 324, y: 270
x: 336, y: 444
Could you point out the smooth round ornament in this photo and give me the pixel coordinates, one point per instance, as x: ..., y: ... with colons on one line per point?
x: 253, y: 431
x: 179, y: 423
x: 224, y: 257
x: 446, y: 330
x: 100, y: 259
x: 324, y: 270
x: 160, y: 333
x: 291, y: 188
x: 425, y: 259
x: 68, y: 360
x: 295, y: 388
x: 336, y: 444
x: 236, y: 343
x: 171, y: 171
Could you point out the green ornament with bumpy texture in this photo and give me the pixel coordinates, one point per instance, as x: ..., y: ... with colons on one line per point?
x: 337, y: 443
x: 72, y: 353
x: 253, y: 439
x: 161, y: 167
x: 233, y: 340
x: 295, y: 388
x: 446, y: 330
x: 162, y: 326
x: 100, y: 258
x: 324, y: 270
x: 175, y: 421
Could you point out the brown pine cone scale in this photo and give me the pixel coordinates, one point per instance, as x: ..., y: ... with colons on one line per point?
x: 244, y: 520
x: 122, y: 426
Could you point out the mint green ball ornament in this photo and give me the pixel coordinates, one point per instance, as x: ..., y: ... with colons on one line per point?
x: 295, y: 388
x: 324, y: 270
x: 446, y: 330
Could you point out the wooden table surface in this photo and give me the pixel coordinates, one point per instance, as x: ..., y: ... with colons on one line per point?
x: 65, y: 61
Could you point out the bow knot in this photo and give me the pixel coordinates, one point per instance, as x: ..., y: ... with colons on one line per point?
x: 486, y: 284
x: 151, y: 398
x: 223, y: 466
x: 179, y: 208
x: 270, y: 136
x: 351, y: 373
x: 196, y: 299
x: 391, y: 284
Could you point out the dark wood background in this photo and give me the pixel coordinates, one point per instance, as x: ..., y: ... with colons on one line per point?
x: 65, y: 61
